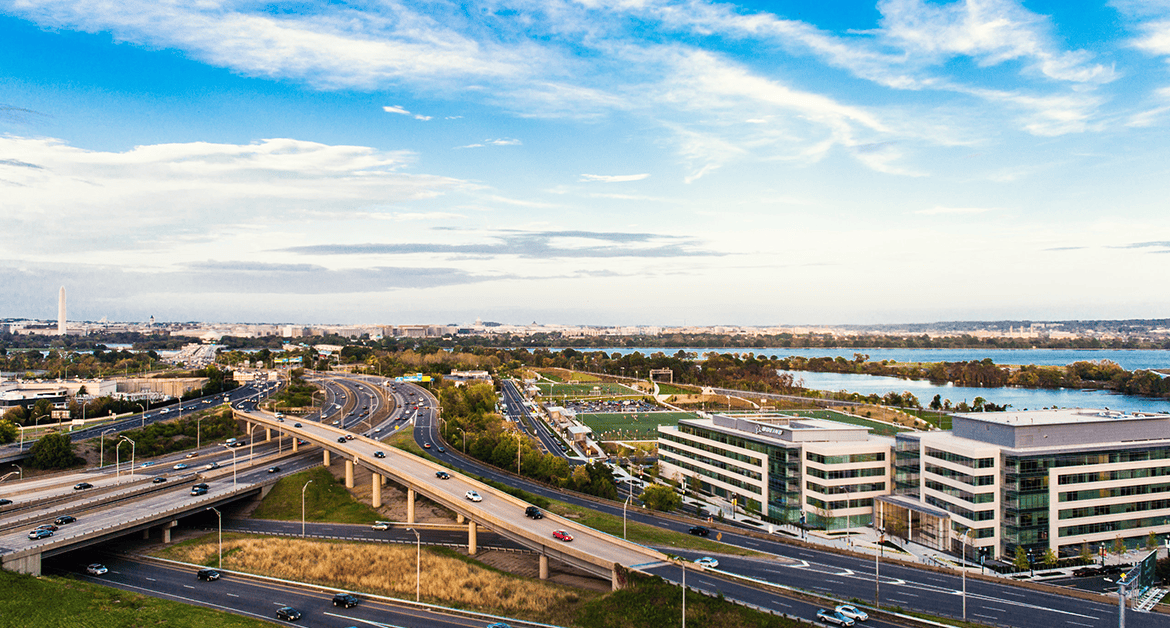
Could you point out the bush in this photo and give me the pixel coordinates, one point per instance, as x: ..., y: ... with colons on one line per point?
x: 53, y: 451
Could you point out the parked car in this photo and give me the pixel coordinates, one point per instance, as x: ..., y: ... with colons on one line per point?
x: 533, y: 512
x: 345, y: 600
x: 82, y: 486
x: 852, y: 612
x: 288, y: 613
x: 833, y: 617
x: 473, y: 496
x: 35, y: 535
x: 379, y: 454
x: 561, y: 535
x: 96, y: 569
x: 699, y: 531
x: 64, y: 519
x: 207, y: 575
x: 442, y: 475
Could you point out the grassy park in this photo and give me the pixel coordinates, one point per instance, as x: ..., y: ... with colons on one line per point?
x: 630, y: 425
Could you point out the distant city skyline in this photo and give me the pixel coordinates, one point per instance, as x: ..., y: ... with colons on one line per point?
x: 646, y: 163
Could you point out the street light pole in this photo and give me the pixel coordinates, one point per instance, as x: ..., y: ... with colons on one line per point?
x: 233, y: 450
x: 198, y: 428
x: 464, y: 438
x: 220, y: 516
x: 251, y: 442
x: 417, y: 565
x: 303, y: 489
x: 624, y: 505
x: 18, y: 467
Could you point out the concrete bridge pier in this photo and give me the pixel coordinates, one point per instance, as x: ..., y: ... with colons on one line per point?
x: 166, y: 530
x: 29, y: 564
x: 327, y: 461
x: 349, y: 474
x: 543, y: 567
x: 458, y: 518
x: 410, y: 505
x: 267, y: 434
x: 296, y: 444
x: 615, y: 581
x: 376, y: 490
x: 471, y: 538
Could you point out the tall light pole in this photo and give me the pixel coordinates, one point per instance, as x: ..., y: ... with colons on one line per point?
x: 251, y: 442
x: 118, y: 455
x: 18, y: 468
x: 303, y: 489
x: 198, y: 427
x: 143, y: 415
x: 102, y: 461
x: 517, y: 453
x: 417, y: 566
x: 233, y: 450
x: 464, y: 439
x: 624, y: 505
x: 220, y: 516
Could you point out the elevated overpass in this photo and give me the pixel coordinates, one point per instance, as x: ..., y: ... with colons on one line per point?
x: 591, y: 551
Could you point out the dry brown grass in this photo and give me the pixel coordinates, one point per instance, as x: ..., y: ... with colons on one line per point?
x: 389, y: 570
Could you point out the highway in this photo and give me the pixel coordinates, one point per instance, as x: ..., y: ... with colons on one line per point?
x: 532, y: 426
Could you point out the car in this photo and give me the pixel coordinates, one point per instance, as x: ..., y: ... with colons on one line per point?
x: 296, y: 425
x: 158, y: 479
x: 47, y: 526
x: 499, y: 624
x: 207, y: 575
x: 426, y: 445
x: 288, y: 613
x: 280, y: 419
x: 533, y: 512
x: 349, y: 437
x: 301, y: 441
x: 164, y: 411
x: 337, y: 422
x: 442, y: 475
x: 195, y: 491
x: 180, y: 466
x: 274, y: 469
x: 562, y: 535
x: 193, y: 454
x: 380, y: 525
x: 96, y: 569
x: 379, y: 454
x: 377, y: 429
x: 5, y: 502
x: 148, y: 463
x: 699, y: 531
x: 211, y: 465
x: 852, y: 612
x: 34, y: 535
x: 441, y: 450
x: 341, y: 439
x: 833, y: 617
x: 707, y: 562
x: 345, y: 600
x: 473, y: 496
x: 64, y: 519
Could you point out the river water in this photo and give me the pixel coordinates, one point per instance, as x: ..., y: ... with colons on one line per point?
x: 1018, y: 398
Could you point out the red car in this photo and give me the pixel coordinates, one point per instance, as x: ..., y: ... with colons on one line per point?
x: 562, y: 535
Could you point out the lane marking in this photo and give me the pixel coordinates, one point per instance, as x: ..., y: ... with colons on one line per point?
x: 188, y: 586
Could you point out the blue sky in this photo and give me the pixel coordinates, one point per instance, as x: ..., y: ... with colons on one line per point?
x: 625, y: 162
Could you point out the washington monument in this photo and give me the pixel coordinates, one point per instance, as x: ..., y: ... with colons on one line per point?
x: 61, y: 312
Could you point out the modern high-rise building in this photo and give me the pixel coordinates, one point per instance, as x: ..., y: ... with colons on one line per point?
x: 61, y: 311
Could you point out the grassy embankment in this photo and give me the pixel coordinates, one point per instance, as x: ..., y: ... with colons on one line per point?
x: 26, y: 601
x: 325, y: 500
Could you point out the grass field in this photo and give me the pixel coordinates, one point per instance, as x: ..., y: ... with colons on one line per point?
x: 623, y: 425
x: 879, y: 428
x: 671, y: 389
x: 55, y: 601
x: 325, y: 500
x: 584, y: 390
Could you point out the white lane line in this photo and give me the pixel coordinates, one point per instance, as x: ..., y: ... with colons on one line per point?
x: 909, y: 594
x: 890, y: 599
x: 1013, y: 593
x: 1077, y: 623
x: 998, y: 610
x: 364, y: 621
x: 152, y: 579
x: 232, y: 595
x: 187, y: 586
x: 833, y: 581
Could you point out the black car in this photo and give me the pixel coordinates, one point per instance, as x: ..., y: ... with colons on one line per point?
x: 207, y: 575
x: 274, y: 469
x: 344, y: 599
x: 533, y: 512
x: 699, y: 531
x: 82, y: 486
x: 5, y: 502
x: 288, y: 613
x: 379, y: 454
x: 296, y: 424
x: 341, y: 439
x: 158, y: 479
x: 63, y: 519
x: 442, y: 475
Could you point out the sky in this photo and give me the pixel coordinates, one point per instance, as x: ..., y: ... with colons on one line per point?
x: 633, y: 162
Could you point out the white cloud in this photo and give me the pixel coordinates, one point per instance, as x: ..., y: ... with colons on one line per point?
x: 395, y: 109
x: 422, y: 117
x: 605, y: 178
x: 1155, y: 38
x: 505, y: 141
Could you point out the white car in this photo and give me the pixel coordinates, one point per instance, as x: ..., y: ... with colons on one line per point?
x: 96, y: 569
x: 380, y: 525
x: 473, y: 496
x: 180, y: 466
x: 852, y: 612
x: 707, y: 561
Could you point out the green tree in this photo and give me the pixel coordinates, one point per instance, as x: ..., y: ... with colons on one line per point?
x: 53, y: 451
x: 1021, y: 560
x: 7, y: 431
x: 1152, y: 541
x: 1050, y: 559
x: 1118, y: 546
x: 660, y: 497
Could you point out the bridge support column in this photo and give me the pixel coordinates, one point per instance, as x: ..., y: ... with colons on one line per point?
x: 349, y: 474
x: 376, y: 489
x: 248, y: 427
x: 410, y: 505
x: 146, y: 534
x: 471, y: 540
x: 30, y: 564
x: 267, y: 434
x: 458, y: 518
x: 615, y: 581
x: 166, y: 530
x: 327, y: 461
x: 543, y: 567
x: 296, y: 445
